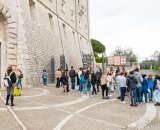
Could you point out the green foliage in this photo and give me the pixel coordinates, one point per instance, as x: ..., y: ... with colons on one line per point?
x: 97, y: 46
x: 146, y: 64
x: 99, y: 60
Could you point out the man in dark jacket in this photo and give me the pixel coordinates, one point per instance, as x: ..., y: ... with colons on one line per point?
x: 72, y: 75
x: 98, y: 78
x: 131, y: 83
x: 93, y: 82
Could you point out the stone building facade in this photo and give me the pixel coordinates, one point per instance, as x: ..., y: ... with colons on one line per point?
x: 38, y: 34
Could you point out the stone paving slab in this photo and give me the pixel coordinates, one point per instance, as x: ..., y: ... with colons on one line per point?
x: 7, y: 122
x: 80, y: 123
x: 78, y: 106
x: 45, y: 119
x: 105, y: 116
x: 2, y: 105
x: 155, y: 124
x: 48, y: 100
x: 122, y: 114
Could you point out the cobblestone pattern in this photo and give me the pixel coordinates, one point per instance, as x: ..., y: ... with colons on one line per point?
x: 42, y: 119
x: 104, y: 116
x: 8, y: 122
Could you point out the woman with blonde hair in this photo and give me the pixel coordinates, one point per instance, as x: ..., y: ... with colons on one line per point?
x: 11, y: 78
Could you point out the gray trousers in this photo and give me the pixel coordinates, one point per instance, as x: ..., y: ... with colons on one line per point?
x: 10, y: 90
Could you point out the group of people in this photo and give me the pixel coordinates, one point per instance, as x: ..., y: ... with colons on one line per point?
x: 13, y: 77
x: 140, y: 87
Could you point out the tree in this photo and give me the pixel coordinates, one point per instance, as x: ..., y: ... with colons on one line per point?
x: 97, y: 46
x: 154, y: 61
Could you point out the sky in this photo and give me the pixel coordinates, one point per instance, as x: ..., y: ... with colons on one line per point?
x: 126, y: 23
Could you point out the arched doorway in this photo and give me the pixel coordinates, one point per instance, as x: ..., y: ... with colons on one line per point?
x: 3, y: 39
x: 8, y: 40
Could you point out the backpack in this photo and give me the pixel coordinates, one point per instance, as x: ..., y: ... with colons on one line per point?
x: 82, y: 79
x: 158, y: 84
x: 72, y: 73
x: 135, y: 81
x: 132, y: 82
x: 7, y: 80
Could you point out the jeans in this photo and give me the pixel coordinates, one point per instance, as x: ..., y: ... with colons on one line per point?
x: 10, y: 90
x: 133, y: 95
x: 20, y: 83
x: 123, y: 91
x: 73, y: 83
x: 94, y: 89
x: 109, y: 88
x: 151, y: 94
x: 138, y: 94
x: 84, y: 88
x: 98, y: 84
x: 145, y: 96
x: 80, y: 86
x: 44, y: 81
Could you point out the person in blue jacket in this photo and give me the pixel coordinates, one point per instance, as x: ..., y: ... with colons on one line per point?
x: 150, y: 86
x: 144, y: 88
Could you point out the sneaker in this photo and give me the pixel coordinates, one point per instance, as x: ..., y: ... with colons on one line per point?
x: 131, y: 104
x: 109, y: 95
x: 92, y: 95
x: 123, y: 102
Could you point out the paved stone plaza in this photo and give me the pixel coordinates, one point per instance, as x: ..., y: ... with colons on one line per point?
x: 49, y: 109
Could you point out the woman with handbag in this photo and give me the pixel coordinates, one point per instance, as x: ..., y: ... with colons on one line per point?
x: 20, y: 76
x: 10, y: 76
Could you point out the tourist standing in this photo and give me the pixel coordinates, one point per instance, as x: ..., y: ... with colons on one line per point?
x: 131, y: 83
x: 58, y: 76
x: 118, y: 86
x: 144, y: 88
x: 20, y: 76
x: 72, y: 75
x: 104, y: 86
x: 88, y: 78
x: 110, y: 83
x: 10, y: 76
x: 150, y: 86
x: 93, y: 82
x: 139, y: 78
x: 45, y: 78
x: 98, y: 78
x: 122, y: 84
x: 79, y: 74
x: 64, y: 81
x: 157, y: 90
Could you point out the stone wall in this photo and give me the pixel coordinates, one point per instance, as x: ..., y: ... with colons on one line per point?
x: 47, y: 29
